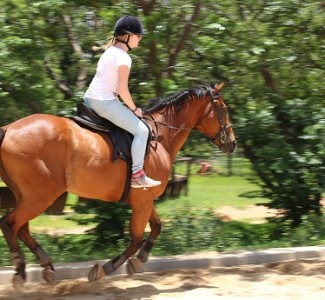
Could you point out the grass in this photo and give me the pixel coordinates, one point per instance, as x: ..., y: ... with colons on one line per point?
x: 52, y: 224
x: 214, y: 191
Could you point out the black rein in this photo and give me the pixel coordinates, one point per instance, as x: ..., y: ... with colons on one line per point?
x: 222, y: 135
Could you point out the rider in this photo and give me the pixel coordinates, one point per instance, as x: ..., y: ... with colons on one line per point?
x: 110, y: 81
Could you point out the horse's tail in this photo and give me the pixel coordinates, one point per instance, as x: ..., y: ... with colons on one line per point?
x: 2, y: 135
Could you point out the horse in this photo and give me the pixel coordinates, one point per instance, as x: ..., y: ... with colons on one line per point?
x: 43, y: 156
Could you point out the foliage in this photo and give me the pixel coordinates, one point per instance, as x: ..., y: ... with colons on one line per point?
x: 112, y: 220
x: 189, y: 231
x: 279, y: 111
x: 269, y: 52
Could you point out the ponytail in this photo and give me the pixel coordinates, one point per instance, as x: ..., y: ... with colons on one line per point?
x: 104, y: 47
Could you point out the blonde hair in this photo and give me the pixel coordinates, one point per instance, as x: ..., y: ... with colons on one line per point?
x: 112, y: 41
x: 109, y: 43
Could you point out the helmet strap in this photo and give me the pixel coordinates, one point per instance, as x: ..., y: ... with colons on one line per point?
x: 125, y: 42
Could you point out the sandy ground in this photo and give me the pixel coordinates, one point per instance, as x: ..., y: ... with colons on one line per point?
x: 251, y: 213
x: 286, y: 280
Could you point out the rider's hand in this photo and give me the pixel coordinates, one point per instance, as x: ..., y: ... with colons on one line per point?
x: 138, y: 112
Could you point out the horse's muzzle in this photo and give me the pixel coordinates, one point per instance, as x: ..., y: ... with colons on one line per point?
x: 227, y: 147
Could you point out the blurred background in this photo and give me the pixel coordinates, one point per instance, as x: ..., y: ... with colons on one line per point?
x: 270, y: 54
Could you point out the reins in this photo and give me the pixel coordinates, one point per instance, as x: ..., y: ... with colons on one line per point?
x: 222, y: 135
x: 163, y: 123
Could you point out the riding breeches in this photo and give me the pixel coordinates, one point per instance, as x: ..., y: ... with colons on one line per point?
x: 117, y: 113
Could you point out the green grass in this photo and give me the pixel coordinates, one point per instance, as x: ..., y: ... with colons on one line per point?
x: 57, y: 223
x: 214, y: 191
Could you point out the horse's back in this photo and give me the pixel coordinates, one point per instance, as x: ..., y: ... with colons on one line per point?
x: 37, y: 132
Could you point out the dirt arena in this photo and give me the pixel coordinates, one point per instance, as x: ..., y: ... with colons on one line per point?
x: 296, y: 280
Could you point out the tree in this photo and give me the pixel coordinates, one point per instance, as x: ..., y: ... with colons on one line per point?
x: 269, y: 53
x: 278, y: 98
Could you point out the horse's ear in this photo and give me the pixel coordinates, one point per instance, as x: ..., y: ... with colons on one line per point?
x: 218, y: 87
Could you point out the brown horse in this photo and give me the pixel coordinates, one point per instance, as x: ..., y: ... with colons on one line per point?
x: 42, y: 156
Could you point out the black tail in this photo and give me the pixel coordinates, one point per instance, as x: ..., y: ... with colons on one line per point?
x: 2, y: 135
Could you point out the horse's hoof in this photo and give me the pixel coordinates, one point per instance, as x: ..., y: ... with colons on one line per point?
x: 49, y: 275
x: 133, y: 266
x: 18, y: 282
x: 96, y: 273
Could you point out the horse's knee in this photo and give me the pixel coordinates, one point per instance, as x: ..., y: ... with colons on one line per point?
x: 155, y: 228
x: 158, y: 227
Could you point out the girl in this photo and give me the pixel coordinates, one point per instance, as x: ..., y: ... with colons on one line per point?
x: 110, y: 81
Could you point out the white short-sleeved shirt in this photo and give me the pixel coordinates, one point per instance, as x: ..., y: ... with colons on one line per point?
x: 104, y: 83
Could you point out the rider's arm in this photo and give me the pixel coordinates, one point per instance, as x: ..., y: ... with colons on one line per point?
x: 123, y: 86
x: 123, y: 89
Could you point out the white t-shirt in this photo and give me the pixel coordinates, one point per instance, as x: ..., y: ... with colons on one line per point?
x: 104, y: 84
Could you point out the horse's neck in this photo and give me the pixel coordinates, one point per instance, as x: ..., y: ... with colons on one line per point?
x: 174, y: 129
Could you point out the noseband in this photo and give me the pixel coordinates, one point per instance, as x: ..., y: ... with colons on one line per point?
x: 222, y: 134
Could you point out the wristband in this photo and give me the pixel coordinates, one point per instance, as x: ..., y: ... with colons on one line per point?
x: 134, y: 110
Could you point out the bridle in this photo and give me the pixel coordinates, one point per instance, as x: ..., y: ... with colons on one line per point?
x: 220, y: 136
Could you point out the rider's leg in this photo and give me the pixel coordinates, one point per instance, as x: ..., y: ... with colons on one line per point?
x: 117, y: 113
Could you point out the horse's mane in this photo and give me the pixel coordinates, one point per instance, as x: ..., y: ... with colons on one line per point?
x: 178, y: 98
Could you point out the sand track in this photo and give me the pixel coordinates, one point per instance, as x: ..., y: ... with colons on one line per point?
x: 299, y: 279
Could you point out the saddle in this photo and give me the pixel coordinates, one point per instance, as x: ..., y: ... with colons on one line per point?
x: 121, y: 138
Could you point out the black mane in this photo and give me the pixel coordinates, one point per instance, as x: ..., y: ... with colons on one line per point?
x: 178, y: 98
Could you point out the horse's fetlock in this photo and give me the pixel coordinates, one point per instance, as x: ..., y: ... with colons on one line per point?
x: 18, y: 260
x: 145, y: 250
x: 43, y: 258
x: 109, y: 268
x: 114, y: 264
x: 148, y: 245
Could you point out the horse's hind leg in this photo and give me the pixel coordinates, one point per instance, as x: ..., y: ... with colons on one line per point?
x: 11, y: 225
x: 17, y: 256
x: 43, y: 258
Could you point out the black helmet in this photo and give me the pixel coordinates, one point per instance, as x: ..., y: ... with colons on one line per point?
x: 128, y: 24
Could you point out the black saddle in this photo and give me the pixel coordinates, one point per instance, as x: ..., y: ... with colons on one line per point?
x: 121, y: 138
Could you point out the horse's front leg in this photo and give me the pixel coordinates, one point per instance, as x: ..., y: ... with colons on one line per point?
x: 134, y: 264
x: 141, y: 212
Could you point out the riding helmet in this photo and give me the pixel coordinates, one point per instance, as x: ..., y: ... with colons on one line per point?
x: 128, y: 24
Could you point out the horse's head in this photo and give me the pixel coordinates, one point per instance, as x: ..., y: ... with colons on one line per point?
x: 215, y: 123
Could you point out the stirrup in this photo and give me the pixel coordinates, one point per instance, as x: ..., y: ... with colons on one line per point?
x: 140, y: 180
